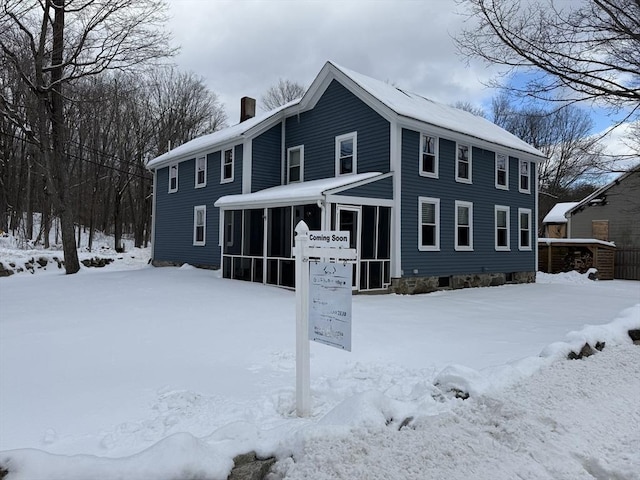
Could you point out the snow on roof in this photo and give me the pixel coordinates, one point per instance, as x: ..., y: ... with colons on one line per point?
x: 205, y: 142
x: 572, y: 241
x: 423, y: 109
x: 556, y: 215
x: 293, y: 193
x: 403, y: 103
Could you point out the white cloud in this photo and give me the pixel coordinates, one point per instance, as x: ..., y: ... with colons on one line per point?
x: 243, y: 47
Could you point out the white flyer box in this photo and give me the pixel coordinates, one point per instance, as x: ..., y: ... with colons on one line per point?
x: 330, y: 304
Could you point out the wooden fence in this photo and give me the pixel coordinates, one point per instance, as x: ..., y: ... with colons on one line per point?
x: 627, y: 263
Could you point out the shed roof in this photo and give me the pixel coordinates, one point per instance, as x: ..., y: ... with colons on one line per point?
x: 557, y: 213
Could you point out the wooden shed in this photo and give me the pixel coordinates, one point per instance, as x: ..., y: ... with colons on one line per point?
x: 557, y: 255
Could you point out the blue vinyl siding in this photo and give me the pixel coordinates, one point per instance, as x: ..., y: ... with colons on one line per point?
x: 339, y: 112
x: 267, y: 159
x: 484, y: 196
x: 380, y: 189
x: 174, y: 211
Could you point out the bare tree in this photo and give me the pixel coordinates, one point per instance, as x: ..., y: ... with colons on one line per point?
x: 52, y: 44
x: 282, y: 93
x: 183, y: 107
x: 469, y: 107
x: 585, y: 51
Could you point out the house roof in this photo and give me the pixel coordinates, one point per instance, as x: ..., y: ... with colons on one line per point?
x: 417, y: 107
x: 293, y: 193
x: 205, y: 143
x: 557, y: 213
x: 602, y: 190
x: 383, y: 95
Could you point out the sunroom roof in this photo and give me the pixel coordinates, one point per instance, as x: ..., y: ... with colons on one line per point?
x: 292, y: 194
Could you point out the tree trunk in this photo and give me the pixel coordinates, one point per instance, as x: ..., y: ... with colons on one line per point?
x: 117, y: 222
x: 60, y: 166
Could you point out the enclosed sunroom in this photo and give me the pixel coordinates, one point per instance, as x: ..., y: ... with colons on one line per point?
x: 258, y: 229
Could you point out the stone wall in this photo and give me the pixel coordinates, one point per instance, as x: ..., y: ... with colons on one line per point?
x: 413, y: 285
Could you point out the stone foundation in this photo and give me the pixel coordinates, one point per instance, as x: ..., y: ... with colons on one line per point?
x: 414, y: 285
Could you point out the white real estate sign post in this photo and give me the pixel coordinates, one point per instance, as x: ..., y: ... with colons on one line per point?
x: 331, y: 296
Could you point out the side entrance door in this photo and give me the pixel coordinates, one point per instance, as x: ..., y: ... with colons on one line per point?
x: 348, y: 219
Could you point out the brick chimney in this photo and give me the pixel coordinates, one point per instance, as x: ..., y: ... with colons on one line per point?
x: 247, y: 108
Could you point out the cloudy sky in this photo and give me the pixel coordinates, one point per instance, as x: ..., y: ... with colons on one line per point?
x: 242, y: 47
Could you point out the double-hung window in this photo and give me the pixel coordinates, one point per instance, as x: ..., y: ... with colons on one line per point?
x: 463, y: 164
x: 201, y: 171
x: 347, y: 154
x: 199, y: 224
x: 428, y: 223
x: 173, y: 178
x: 464, y: 226
x: 525, y: 176
x: 295, y: 164
x: 502, y: 228
x: 428, y: 156
x: 502, y: 171
x: 226, y: 174
x: 524, y: 227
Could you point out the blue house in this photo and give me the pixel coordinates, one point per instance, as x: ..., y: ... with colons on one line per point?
x: 434, y: 197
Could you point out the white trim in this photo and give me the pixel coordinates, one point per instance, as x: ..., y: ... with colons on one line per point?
x: 506, y: 166
x: 535, y: 217
x: 171, y: 167
x: 507, y: 210
x: 469, y: 206
x: 204, y: 183
x: 436, y: 159
x: 327, y: 74
x: 358, y: 235
x: 353, y: 136
x: 153, y: 212
x: 529, y: 226
x: 222, y: 164
x: 377, y: 202
x: 196, y: 209
x: 436, y: 202
x: 283, y: 152
x: 460, y: 179
x: 395, y: 165
x: 300, y: 165
x: 528, y: 176
x: 247, y: 165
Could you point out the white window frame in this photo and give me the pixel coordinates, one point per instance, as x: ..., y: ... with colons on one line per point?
x: 353, y: 136
x: 506, y: 171
x: 469, y: 206
x: 528, y: 229
x: 436, y: 202
x: 507, y: 210
x: 196, y: 209
x: 222, y: 165
x: 424, y: 173
x: 469, y: 149
x: 198, y: 170
x: 528, y: 176
x: 301, y: 166
x: 173, y: 168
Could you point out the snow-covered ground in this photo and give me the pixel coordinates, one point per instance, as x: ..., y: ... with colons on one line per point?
x: 138, y: 372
